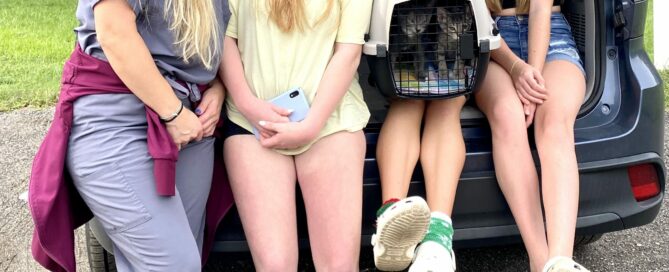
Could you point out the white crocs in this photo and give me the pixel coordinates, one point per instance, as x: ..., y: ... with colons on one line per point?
x: 563, y: 264
x: 399, y: 229
x: 433, y: 257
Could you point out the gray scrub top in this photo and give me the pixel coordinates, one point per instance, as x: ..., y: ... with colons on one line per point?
x: 153, y: 27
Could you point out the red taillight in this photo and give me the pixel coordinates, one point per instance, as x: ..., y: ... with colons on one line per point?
x: 644, y: 181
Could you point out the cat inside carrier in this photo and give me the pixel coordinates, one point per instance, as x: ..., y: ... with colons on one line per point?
x: 429, y: 49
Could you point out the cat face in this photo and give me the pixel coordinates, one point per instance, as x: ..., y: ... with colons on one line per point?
x: 453, y: 22
x: 415, y: 22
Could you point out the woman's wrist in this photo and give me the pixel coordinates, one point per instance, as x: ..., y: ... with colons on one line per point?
x: 536, y: 64
x: 513, y: 66
x: 167, y: 107
x: 170, y: 117
x: 314, y: 124
x: 245, y: 102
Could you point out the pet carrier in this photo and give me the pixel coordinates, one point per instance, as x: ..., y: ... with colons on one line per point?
x: 429, y: 49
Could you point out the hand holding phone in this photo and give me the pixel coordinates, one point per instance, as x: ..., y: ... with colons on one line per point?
x: 294, y: 100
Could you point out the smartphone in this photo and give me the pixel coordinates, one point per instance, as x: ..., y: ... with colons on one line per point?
x: 294, y: 99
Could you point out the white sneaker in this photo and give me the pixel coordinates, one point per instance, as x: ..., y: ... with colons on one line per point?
x: 399, y: 229
x: 433, y: 257
x: 563, y: 264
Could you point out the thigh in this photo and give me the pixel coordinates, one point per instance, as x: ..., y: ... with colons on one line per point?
x: 330, y: 176
x: 263, y: 184
x: 112, y: 171
x: 445, y: 108
x: 104, y: 127
x: 566, y: 90
x: 497, y: 97
x: 194, y: 172
x: 403, y: 107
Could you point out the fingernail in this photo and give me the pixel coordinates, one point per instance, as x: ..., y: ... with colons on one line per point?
x: 262, y: 123
x: 290, y: 111
x: 198, y: 111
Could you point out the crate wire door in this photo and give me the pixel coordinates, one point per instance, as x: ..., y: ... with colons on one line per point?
x: 432, y: 49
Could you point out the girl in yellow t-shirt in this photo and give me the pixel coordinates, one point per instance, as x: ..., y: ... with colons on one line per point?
x: 273, y: 46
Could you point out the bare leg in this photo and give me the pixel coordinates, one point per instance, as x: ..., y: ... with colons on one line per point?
x: 554, y: 129
x: 514, y: 165
x: 263, y: 183
x: 330, y: 176
x: 442, y: 153
x: 399, y: 147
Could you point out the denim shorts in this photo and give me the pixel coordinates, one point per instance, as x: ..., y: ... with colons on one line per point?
x: 514, y: 31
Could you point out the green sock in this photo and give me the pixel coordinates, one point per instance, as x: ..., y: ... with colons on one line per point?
x: 385, y: 206
x: 440, y: 231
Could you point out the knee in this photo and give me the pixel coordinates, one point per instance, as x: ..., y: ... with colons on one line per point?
x: 554, y: 129
x: 507, y: 121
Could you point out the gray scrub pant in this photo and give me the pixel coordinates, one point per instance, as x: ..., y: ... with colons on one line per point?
x: 112, y: 170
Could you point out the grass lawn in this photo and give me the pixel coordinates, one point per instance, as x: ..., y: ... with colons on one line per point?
x: 648, y: 42
x: 648, y: 33
x: 35, y: 38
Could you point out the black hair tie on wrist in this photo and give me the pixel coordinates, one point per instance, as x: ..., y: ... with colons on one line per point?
x: 174, y: 115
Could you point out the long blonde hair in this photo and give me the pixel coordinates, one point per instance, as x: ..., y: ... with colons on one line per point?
x: 522, y: 6
x: 195, y: 28
x: 290, y: 15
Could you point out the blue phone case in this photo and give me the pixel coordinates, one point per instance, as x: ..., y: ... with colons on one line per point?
x: 294, y: 99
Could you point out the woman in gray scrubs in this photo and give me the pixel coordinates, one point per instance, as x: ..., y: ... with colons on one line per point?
x: 167, y: 53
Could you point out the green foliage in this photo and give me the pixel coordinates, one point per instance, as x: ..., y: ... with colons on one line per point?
x: 665, y: 77
x: 648, y: 33
x: 36, y: 37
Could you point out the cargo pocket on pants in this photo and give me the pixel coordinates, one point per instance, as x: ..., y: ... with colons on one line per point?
x: 112, y: 200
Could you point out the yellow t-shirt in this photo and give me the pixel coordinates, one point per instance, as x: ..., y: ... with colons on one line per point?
x: 275, y: 61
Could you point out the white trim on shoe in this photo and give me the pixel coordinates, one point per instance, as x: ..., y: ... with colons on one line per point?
x: 433, y: 257
x: 399, y: 229
x: 563, y: 264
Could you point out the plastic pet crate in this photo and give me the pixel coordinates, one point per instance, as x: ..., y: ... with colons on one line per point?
x: 429, y: 49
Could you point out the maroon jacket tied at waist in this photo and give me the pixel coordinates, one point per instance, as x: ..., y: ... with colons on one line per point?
x: 55, y: 205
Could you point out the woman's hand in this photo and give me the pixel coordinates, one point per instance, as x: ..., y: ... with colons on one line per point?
x: 259, y: 110
x: 288, y: 135
x: 529, y: 82
x: 529, y: 109
x: 209, y: 110
x: 185, y: 128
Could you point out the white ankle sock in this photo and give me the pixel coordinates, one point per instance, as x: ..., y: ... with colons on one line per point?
x: 442, y: 216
